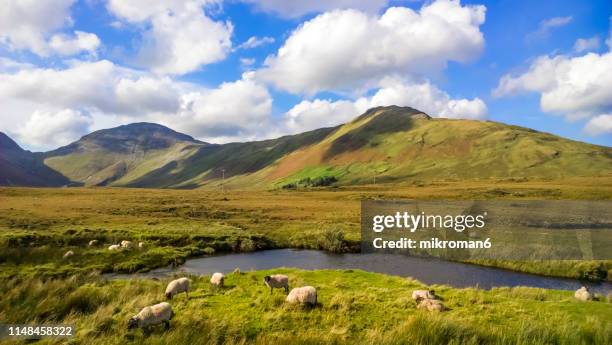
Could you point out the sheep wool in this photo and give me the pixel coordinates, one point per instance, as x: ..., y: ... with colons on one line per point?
x: 152, y: 315
x: 277, y: 281
x: 141, y: 245
x: 114, y: 247
x: 430, y: 304
x: 583, y: 294
x: 423, y: 294
x: 303, y: 295
x: 126, y: 244
x: 217, y: 279
x: 93, y: 243
x: 68, y: 254
x: 177, y: 286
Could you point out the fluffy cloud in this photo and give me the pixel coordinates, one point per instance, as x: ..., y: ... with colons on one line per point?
x: 586, y: 44
x: 180, y: 37
x: 349, y: 49
x: 28, y: 25
x: 44, y: 129
x: 298, y: 8
x: 599, y: 125
x: 424, y: 96
x: 575, y: 86
x: 70, y: 45
x: 102, y: 94
x: 233, y: 111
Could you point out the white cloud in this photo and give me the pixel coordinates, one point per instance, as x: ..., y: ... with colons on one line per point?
x: 298, y: 8
x: 26, y: 24
x: 29, y: 25
x: 233, y: 111
x: 599, y: 125
x: 247, y: 62
x: 586, y: 44
x: 70, y: 45
x: 254, y: 42
x: 44, y: 129
x: 423, y: 96
x: 547, y: 25
x: 575, y: 86
x: 180, y: 38
x: 348, y: 50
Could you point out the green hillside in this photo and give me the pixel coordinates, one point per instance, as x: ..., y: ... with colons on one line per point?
x: 384, y: 145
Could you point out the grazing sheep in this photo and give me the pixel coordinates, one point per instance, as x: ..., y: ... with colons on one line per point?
x: 278, y: 281
x: 93, y: 243
x: 141, y: 245
x: 423, y: 294
x: 126, y: 244
x: 303, y: 295
x: 217, y: 279
x: 583, y: 294
x: 152, y: 315
x: 429, y: 304
x: 177, y: 286
x: 113, y: 247
x: 68, y: 254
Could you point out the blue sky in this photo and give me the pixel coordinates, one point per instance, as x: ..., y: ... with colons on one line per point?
x: 243, y: 70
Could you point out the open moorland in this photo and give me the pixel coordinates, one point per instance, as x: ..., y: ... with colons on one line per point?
x: 37, y: 226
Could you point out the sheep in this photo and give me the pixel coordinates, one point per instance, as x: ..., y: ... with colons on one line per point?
x: 93, y: 243
x: 152, y: 315
x: 177, y: 286
x: 583, y: 294
x: 303, y: 295
x: 114, y: 247
x: 429, y: 304
x: 279, y: 281
x: 423, y: 294
x: 217, y: 279
x: 141, y: 245
x: 126, y: 244
x: 68, y: 254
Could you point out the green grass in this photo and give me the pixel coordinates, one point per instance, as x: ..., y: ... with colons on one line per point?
x: 355, y: 307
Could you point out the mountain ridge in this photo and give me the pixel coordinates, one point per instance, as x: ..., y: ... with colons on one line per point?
x: 390, y: 144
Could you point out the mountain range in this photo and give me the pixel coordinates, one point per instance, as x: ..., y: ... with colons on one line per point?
x: 384, y: 145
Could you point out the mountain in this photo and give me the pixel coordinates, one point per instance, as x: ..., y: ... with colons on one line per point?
x: 19, y: 167
x: 124, y: 153
x: 387, y: 144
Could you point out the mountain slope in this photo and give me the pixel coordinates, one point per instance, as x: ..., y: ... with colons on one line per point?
x: 19, y: 167
x: 109, y: 156
x: 385, y: 144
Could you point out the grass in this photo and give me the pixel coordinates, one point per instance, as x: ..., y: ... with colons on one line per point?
x: 355, y: 307
x: 37, y: 226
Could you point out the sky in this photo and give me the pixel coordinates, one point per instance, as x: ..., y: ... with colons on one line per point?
x: 240, y: 70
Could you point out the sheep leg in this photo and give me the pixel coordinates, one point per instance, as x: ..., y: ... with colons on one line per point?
x: 271, y: 289
x: 167, y: 324
x: 286, y: 290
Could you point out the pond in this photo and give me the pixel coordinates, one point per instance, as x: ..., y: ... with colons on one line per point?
x: 427, y: 270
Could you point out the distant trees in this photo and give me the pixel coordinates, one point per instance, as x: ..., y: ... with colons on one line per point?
x: 320, y: 181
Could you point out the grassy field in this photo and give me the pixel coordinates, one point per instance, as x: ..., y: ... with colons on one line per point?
x: 37, y: 226
x: 355, y: 307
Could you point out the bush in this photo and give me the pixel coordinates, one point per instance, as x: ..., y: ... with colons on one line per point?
x: 333, y: 241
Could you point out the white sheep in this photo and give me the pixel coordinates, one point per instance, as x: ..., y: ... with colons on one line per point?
x: 93, y: 243
x: 277, y: 281
x: 177, y: 286
x: 217, y: 279
x: 583, y: 294
x: 141, y: 245
x: 303, y: 295
x: 68, y: 254
x: 423, y: 294
x: 126, y: 244
x: 152, y: 315
x: 430, y: 304
x: 114, y: 247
